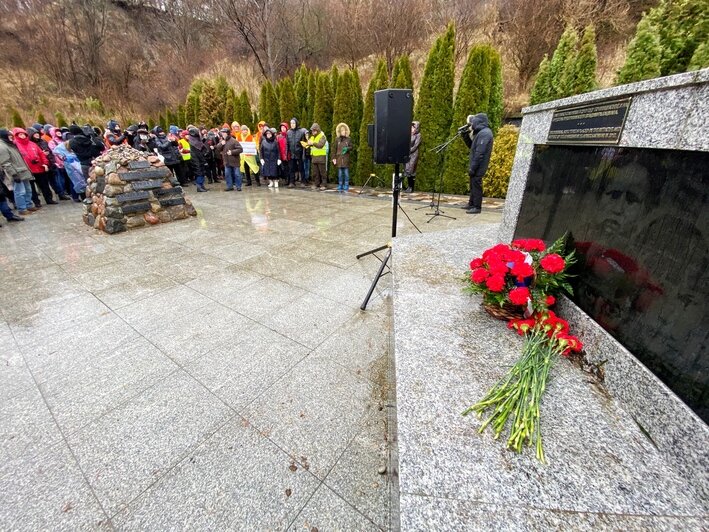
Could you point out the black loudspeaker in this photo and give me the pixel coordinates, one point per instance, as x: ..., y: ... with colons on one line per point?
x: 370, y: 135
x: 393, y: 112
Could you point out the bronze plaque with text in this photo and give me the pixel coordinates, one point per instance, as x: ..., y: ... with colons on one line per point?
x: 599, y: 123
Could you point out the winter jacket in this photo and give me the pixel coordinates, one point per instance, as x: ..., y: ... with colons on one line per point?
x: 283, y: 142
x: 480, y: 143
x: 294, y: 138
x: 71, y: 165
x: 270, y: 155
x: 44, y: 146
x: 30, y: 151
x: 53, y: 143
x: 86, y: 147
x: 231, y: 145
x: 258, y: 135
x: 198, y: 150
x: 167, y: 148
x: 410, y: 168
x: 12, y: 163
x: 343, y: 146
x: 317, y: 142
x: 111, y: 139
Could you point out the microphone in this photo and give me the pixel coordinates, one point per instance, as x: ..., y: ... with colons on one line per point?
x: 463, y: 129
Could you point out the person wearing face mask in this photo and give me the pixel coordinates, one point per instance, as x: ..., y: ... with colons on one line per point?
x: 17, y: 172
x: 229, y: 149
x: 161, y: 144
x: 142, y: 140
x: 37, y: 163
x: 113, y: 135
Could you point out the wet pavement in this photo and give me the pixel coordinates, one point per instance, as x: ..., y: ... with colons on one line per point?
x: 212, y: 373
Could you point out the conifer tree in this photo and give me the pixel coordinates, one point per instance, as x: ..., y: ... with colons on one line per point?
x: 495, y: 108
x: 700, y: 58
x: 17, y: 120
x: 404, y: 78
x: 312, y: 89
x: 301, y: 93
x: 541, y: 91
x: 181, y: 117
x: 394, y: 75
x: 473, y: 97
x: 434, y: 107
x: 682, y: 26
x: 41, y: 119
x: 322, y: 113
x: 151, y: 123
x: 193, y: 100
x: 365, y: 165
x: 268, y: 104
x: 644, y: 54
x: 222, y: 88
x: 334, y: 79
x: 211, y: 109
x: 160, y: 121
x: 560, y: 64
x: 230, y: 106
x: 60, y: 119
x: 287, y: 104
x: 244, y: 115
x: 356, y: 93
x: 584, y: 72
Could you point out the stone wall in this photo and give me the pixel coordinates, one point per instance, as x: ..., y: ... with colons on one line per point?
x: 127, y: 189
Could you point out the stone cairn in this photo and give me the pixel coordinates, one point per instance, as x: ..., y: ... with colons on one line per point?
x: 129, y: 189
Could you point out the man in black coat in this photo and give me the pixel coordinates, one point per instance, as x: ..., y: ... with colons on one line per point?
x: 294, y: 136
x: 479, y: 140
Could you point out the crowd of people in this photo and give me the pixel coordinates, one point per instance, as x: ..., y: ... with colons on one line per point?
x: 54, y: 162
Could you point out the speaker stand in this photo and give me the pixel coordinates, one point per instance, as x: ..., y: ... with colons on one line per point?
x: 371, y: 176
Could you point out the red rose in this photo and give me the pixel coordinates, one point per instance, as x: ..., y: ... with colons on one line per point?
x: 519, y: 296
x: 522, y: 270
x: 550, y: 300
x: 553, y: 263
x: 479, y: 275
x: 476, y: 263
x: 496, y: 283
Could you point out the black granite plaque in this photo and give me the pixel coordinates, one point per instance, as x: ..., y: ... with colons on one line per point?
x: 133, y: 196
x: 138, y: 165
x: 171, y: 202
x: 167, y: 192
x: 146, y: 185
x: 638, y: 219
x: 141, y: 175
x: 136, y: 207
x: 599, y: 123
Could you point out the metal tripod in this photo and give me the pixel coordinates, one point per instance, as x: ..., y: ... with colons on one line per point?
x: 440, y: 149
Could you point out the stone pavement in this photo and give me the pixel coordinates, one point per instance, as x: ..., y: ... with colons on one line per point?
x: 213, y: 373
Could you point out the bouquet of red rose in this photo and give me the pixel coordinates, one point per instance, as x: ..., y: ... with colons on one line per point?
x: 524, y: 274
x: 521, y: 278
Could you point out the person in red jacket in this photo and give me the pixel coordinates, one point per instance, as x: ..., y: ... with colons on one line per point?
x: 37, y: 162
x: 282, y: 139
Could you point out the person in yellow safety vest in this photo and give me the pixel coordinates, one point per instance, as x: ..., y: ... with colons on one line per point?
x: 183, y: 146
x: 249, y: 166
x: 318, y: 152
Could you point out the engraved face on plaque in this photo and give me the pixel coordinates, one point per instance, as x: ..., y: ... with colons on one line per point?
x: 640, y: 223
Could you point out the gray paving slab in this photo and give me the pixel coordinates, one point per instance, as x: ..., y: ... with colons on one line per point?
x: 327, y: 511
x: 128, y: 449
x: 236, y: 479
x: 93, y: 325
x: 46, y: 491
x: 313, y: 412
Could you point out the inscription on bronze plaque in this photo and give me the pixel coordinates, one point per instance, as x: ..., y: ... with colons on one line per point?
x: 599, y: 124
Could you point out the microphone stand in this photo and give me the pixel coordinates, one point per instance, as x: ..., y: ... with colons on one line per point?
x: 440, y: 149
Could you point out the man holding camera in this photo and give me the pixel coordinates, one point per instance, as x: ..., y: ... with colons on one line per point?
x: 478, y: 137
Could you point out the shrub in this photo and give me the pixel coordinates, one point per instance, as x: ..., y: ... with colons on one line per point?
x: 498, y: 173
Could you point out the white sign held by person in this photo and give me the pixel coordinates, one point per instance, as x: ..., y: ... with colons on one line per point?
x: 249, y: 148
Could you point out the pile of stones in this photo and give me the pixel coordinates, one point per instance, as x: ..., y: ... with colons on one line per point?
x: 129, y: 189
